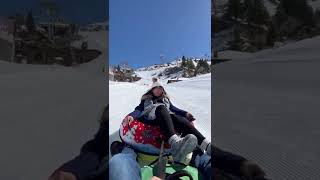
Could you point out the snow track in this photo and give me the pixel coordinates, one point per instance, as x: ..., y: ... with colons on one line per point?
x: 192, y: 95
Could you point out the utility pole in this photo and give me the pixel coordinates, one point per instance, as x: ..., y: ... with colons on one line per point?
x: 162, y: 60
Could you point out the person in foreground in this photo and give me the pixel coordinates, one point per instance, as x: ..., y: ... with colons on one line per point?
x: 123, y: 164
x: 92, y: 162
x: 156, y: 109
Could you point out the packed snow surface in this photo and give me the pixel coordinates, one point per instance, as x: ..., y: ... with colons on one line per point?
x: 192, y: 95
x: 266, y: 108
x: 48, y: 112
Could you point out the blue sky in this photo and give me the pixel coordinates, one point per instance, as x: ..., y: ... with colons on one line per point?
x: 78, y: 11
x: 141, y: 30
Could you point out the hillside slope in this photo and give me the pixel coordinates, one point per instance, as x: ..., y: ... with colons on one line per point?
x: 47, y: 113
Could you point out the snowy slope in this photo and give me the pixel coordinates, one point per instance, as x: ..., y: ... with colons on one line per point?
x: 266, y: 108
x: 193, y: 95
x: 291, y: 50
x: 153, y: 71
x: 47, y: 113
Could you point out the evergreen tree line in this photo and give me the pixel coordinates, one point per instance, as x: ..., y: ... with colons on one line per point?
x: 191, y: 70
x: 298, y: 9
x: 254, y: 11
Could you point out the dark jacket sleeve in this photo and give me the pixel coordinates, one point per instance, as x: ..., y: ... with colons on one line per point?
x: 101, y: 138
x: 177, y: 111
x: 137, y: 111
x: 92, y: 152
x: 227, y: 161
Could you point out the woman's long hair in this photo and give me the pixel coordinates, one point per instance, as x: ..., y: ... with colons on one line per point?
x: 149, y: 94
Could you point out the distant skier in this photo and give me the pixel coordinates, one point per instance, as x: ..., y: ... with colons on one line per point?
x: 156, y: 109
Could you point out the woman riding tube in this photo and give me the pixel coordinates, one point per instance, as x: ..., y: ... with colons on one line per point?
x: 86, y: 165
x: 156, y: 109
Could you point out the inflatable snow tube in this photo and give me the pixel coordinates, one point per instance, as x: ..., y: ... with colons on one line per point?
x: 147, y: 172
x: 142, y: 137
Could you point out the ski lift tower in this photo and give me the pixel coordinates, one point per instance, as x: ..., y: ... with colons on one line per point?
x: 162, y: 60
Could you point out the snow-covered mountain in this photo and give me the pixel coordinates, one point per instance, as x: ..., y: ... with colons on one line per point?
x: 156, y: 70
x: 165, y: 71
x: 191, y: 94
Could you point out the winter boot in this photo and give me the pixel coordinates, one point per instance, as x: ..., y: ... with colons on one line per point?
x: 116, y: 147
x: 181, y: 147
x: 206, y: 146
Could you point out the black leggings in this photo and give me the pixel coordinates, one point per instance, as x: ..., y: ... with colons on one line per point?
x: 172, y: 123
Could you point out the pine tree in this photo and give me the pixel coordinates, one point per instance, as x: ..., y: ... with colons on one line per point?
x: 190, y: 68
x: 236, y: 43
x: 234, y: 9
x: 280, y: 16
x: 249, y: 12
x: 190, y: 65
x: 206, y: 66
x: 308, y: 16
x: 19, y: 19
x: 272, y: 35
x: 30, y: 22
x: 184, y: 62
x: 317, y: 16
x: 299, y: 9
x: 198, y: 68
x: 202, y: 67
x: 256, y: 12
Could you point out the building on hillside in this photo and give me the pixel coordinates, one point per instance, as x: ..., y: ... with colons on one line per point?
x: 103, y: 26
x: 59, y: 27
